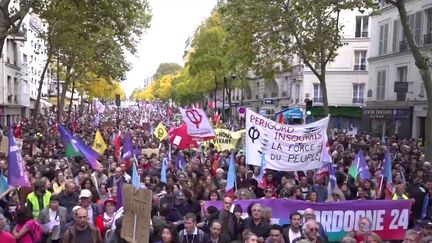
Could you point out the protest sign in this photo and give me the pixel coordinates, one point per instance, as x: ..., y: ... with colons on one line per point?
x: 149, y: 152
x: 197, y: 122
x: 389, y: 217
x: 4, y: 147
x: 137, y: 208
x: 226, y: 139
x: 285, y: 147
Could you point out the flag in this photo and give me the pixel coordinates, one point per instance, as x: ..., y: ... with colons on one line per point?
x: 18, y: 130
x: 117, y: 144
x: 74, y: 125
x: 387, y: 175
x: 181, y: 162
x: 359, y: 167
x: 180, y: 137
x: 128, y: 151
x: 261, y: 180
x: 161, y: 132
x: 332, y: 175
x: 163, y: 177
x: 75, y: 147
x: 99, y: 144
x: 215, y: 166
x: 282, y: 118
x: 66, y: 138
x: 216, y: 119
x: 17, y: 173
x: 231, y: 175
x: 136, y: 182
x: 3, y: 183
x: 119, y: 196
x: 198, y: 124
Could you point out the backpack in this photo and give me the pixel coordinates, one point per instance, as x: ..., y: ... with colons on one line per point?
x: 37, y: 232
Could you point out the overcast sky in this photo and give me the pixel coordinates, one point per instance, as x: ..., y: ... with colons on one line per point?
x: 172, y: 23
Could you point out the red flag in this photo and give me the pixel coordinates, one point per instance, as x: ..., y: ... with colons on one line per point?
x: 282, y: 118
x: 180, y: 137
x: 18, y: 131
x: 75, y: 125
x: 215, y: 166
x: 117, y: 145
x: 216, y: 119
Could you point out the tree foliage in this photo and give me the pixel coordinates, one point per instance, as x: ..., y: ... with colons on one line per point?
x: 166, y: 68
x: 273, y: 33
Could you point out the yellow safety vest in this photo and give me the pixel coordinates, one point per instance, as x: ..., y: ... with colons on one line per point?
x: 35, y: 202
x: 404, y: 197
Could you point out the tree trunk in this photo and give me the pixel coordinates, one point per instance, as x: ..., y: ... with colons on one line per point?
x: 2, y: 41
x: 64, y: 90
x: 323, y: 84
x: 215, y: 92
x: 39, y: 94
x: 422, y: 64
x: 71, y: 99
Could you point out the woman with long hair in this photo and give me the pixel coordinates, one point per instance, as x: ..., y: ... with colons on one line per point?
x: 169, y: 235
x: 58, y: 184
x: 87, y: 183
x: 25, y: 226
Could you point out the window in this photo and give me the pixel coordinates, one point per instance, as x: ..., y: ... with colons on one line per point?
x: 428, y: 23
x: 358, y: 93
x: 396, y: 35
x: 415, y: 24
x: 360, y: 60
x: 402, y: 74
x: 362, y: 26
x: 381, y: 85
x: 297, y: 92
x: 383, y: 39
x: 317, y: 93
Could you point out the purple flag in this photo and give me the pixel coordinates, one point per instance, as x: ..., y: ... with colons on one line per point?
x: 17, y: 174
x: 88, y: 153
x: 128, y: 151
x: 181, y: 162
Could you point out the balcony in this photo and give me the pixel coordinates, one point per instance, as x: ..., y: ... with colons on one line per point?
x: 361, y: 34
x: 361, y: 67
x: 403, y: 45
x: 257, y: 97
x: 427, y: 39
x: 358, y: 101
x: 318, y: 100
x: 264, y: 96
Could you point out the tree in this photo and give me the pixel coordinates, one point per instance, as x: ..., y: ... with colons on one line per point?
x: 274, y: 32
x: 166, y: 68
x: 92, y: 37
x: 422, y: 62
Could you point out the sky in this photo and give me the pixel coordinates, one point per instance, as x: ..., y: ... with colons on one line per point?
x: 172, y: 23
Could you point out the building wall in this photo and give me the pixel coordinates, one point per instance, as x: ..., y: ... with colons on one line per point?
x: 389, y: 55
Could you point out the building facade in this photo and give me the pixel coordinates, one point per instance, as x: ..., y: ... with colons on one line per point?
x: 396, y: 97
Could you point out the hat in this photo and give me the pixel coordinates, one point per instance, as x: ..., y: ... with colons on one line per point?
x: 179, y: 195
x: 110, y: 200
x: 219, y: 170
x: 85, y: 193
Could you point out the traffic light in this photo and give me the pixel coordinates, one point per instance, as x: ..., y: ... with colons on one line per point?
x: 308, y: 103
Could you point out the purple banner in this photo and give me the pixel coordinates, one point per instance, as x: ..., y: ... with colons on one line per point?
x: 17, y: 174
x: 389, y: 218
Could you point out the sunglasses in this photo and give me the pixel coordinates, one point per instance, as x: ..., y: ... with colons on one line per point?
x: 313, y: 229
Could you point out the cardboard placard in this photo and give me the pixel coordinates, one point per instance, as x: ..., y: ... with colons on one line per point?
x: 107, y: 124
x: 4, y: 147
x: 137, y: 209
x: 149, y: 152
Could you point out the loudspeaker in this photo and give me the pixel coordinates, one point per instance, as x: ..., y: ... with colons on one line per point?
x: 117, y: 100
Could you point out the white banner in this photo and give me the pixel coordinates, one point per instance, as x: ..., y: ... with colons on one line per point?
x: 285, y: 147
x: 197, y: 122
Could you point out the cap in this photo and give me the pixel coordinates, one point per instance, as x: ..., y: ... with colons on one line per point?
x: 110, y: 200
x: 85, y: 193
x: 219, y: 170
x: 179, y: 195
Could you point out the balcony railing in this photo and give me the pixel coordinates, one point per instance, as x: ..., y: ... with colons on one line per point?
x: 427, y: 39
x: 403, y: 45
x: 361, y: 34
x: 358, y: 101
x: 361, y: 67
x: 318, y: 99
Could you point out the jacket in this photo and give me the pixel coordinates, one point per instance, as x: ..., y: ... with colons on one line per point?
x: 44, y: 218
x: 70, y: 235
x: 34, y: 205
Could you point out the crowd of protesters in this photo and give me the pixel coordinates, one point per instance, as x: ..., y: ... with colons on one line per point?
x: 74, y: 203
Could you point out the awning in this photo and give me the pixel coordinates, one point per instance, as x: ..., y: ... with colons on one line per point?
x: 340, y: 111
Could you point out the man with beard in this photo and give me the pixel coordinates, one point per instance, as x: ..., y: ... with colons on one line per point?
x: 293, y: 231
x: 38, y: 199
x: 69, y: 198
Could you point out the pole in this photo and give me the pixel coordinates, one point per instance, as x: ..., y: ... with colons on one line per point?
x: 242, y: 93
x: 58, y: 88
x: 223, y: 100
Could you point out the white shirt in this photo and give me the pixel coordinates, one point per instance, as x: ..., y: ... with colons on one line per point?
x: 292, y: 235
x: 53, y: 215
x: 90, y: 214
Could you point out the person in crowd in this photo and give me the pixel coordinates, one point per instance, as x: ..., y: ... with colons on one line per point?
x: 294, y: 230
x: 364, y: 228
x: 373, y: 238
x: 216, y: 235
x: 426, y: 231
x: 69, y: 198
x: 249, y: 237
x: 26, y: 226
x: 169, y: 235
x: 82, y: 230
x: 104, y: 221
x: 311, y: 233
x: 410, y: 236
x: 256, y: 223
x: 114, y: 180
x: 38, y: 199
x: 5, y: 236
x: 87, y: 183
x: 228, y: 220
x: 98, y: 178
x: 58, y: 184
x: 400, y: 193
x: 309, y: 214
x: 275, y: 234
x: 86, y: 203
x: 191, y: 234
x: 56, y: 216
